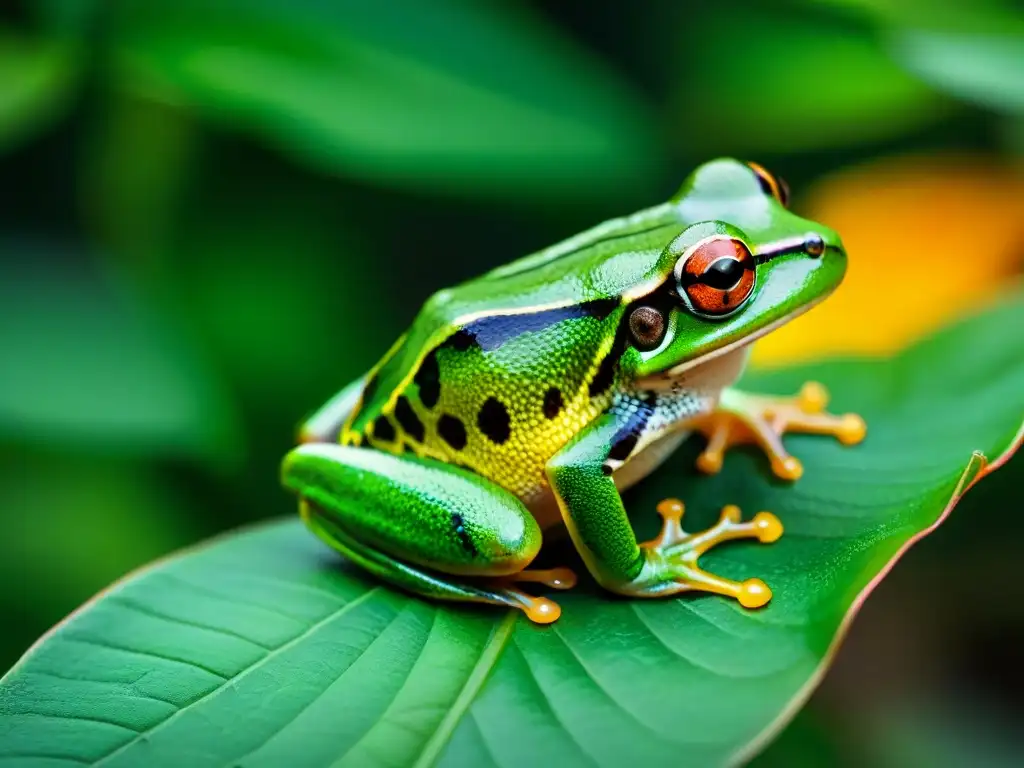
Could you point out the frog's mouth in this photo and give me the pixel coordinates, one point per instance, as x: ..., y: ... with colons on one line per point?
x: 689, y: 370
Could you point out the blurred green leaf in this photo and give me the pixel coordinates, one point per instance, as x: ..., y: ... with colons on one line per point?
x: 948, y: 729
x: 163, y: 667
x: 446, y: 95
x: 68, y: 527
x: 37, y: 82
x: 809, y: 741
x: 265, y: 294
x: 935, y: 728
x: 923, y: 12
x: 139, y: 169
x: 86, y: 366
x: 66, y: 18
x: 273, y: 299
x: 985, y: 69
x: 971, y: 51
x: 768, y: 81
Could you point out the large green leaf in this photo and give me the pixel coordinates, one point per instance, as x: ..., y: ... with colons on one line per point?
x: 971, y: 51
x: 984, y: 68
x: 264, y: 648
x: 445, y: 94
x: 789, y: 82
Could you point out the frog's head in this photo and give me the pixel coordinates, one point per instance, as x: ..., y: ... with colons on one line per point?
x: 747, y: 266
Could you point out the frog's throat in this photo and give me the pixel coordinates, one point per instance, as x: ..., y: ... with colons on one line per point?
x: 669, y: 375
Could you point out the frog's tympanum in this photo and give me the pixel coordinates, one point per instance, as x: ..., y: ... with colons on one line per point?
x: 531, y: 396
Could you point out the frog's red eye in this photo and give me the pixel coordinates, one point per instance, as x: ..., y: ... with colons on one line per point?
x: 771, y: 185
x: 716, y: 276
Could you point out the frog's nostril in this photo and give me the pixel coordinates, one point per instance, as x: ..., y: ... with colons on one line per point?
x: 814, y: 244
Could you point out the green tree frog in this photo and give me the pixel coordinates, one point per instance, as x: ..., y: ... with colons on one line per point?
x: 529, y: 397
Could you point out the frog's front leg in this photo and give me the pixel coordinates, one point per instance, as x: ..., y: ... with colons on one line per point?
x: 422, y: 525
x: 743, y: 418
x: 596, y: 519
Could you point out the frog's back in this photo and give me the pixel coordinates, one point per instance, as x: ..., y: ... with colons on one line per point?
x: 499, y: 384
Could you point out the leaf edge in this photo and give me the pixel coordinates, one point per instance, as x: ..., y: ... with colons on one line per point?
x: 978, y: 467
x: 130, y: 576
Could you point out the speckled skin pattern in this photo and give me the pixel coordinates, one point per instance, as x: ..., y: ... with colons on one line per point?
x: 490, y: 404
x: 529, y: 385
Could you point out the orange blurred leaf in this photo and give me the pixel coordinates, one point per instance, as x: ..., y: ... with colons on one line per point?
x: 929, y: 238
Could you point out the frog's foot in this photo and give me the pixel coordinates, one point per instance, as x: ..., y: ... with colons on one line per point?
x: 676, y: 552
x: 539, y: 610
x: 743, y: 418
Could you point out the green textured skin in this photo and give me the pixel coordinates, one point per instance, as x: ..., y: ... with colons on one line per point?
x: 619, y: 257
x: 364, y: 488
x: 401, y: 574
x: 518, y: 373
x: 597, y: 521
x: 377, y: 493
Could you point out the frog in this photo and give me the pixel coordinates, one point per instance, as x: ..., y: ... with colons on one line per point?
x: 520, y: 404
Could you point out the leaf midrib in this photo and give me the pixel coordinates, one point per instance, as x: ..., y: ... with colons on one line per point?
x: 488, y: 657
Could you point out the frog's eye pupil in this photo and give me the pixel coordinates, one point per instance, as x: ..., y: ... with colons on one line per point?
x: 716, y: 276
x: 647, y: 326
x: 724, y: 273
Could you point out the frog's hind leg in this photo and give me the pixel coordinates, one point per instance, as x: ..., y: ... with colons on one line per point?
x: 434, y: 585
x: 422, y: 525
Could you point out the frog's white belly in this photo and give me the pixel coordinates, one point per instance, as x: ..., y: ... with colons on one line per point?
x: 652, y: 457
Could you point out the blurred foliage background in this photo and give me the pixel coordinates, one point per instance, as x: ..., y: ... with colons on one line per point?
x: 214, y: 213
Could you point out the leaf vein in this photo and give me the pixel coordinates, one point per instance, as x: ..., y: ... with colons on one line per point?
x: 675, y: 652
x: 483, y: 740
x: 474, y: 682
x: 551, y: 707
x: 689, y: 607
x: 236, y: 599
x: 297, y: 587
x: 607, y: 694
x: 95, y: 681
x: 315, y: 699
x: 402, y: 687
x: 83, y: 718
x: 85, y: 640
x: 22, y: 756
x: 241, y: 674
x: 146, y: 611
